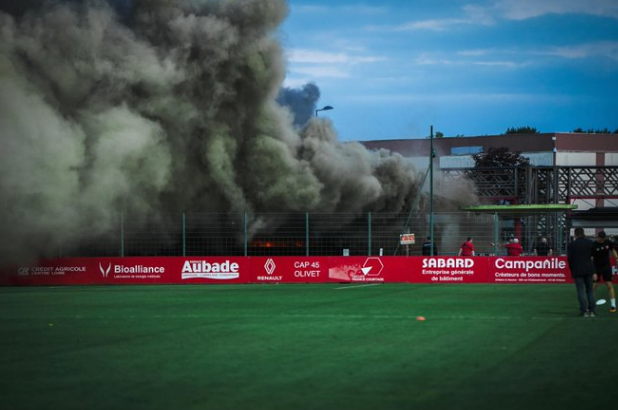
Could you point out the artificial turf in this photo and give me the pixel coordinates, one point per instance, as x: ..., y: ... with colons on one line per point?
x: 321, y: 347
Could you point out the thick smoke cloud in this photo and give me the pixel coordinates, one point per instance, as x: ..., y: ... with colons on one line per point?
x: 170, y: 109
x: 301, y: 102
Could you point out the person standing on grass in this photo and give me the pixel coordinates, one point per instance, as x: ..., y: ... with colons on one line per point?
x: 579, y: 256
x: 467, y: 248
x: 601, y: 251
x: 427, y: 248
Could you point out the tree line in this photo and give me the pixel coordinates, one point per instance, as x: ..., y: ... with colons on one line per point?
x: 533, y: 130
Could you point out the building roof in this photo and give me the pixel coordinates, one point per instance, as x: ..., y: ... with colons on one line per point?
x: 518, y: 211
x: 565, y: 142
x: 599, y: 217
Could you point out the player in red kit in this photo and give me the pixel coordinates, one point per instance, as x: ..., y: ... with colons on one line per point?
x: 514, y: 248
x: 467, y: 248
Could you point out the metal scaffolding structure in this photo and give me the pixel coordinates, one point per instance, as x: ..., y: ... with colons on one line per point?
x: 597, y: 185
x: 541, y: 185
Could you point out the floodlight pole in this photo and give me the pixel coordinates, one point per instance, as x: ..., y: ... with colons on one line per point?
x: 431, y: 155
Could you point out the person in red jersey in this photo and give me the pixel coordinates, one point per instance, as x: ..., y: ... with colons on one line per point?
x: 467, y: 248
x: 513, y: 248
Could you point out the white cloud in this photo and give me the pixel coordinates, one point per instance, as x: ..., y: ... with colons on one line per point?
x: 474, y: 53
x: 525, y: 9
x: 504, y: 64
x: 295, y: 82
x: 316, y: 72
x: 304, y: 8
x: 428, y: 59
x: 320, y: 65
x: 364, y: 9
x: 322, y: 57
x: 336, y: 8
x: 479, y: 15
x: 471, y: 16
x: 460, y: 97
x: 607, y: 49
x: 474, y: 15
x: 432, y: 25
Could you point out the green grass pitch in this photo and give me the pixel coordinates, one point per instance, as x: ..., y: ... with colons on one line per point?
x: 295, y: 347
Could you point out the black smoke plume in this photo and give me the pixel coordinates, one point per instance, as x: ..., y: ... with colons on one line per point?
x: 302, y: 102
x: 162, y: 106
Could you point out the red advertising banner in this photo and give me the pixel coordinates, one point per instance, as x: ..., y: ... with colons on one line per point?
x: 530, y: 269
x: 51, y: 272
x: 289, y: 269
x: 358, y: 269
x: 131, y: 271
x: 127, y: 270
x: 457, y: 269
x: 391, y: 269
x: 409, y: 269
x: 353, y: 269
x: 211, y: 270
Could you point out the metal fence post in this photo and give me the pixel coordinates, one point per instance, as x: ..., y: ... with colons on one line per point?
x: 122, y: 234
x: 306, y: 233
x: 496, y: 232
x: 184, y: 234
x: 561, y: 243
x: 369, y: 234
x: 244, y: 222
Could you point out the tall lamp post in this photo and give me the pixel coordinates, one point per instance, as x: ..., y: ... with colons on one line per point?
x: 325, y: 108
x: 431, y: 157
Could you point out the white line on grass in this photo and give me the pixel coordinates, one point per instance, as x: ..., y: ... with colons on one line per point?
x: 223, y: 286
x: 413, y: 317
x: 358, y: 286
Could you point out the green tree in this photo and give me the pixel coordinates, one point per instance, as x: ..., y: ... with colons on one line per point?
x: 438, y: 134
x: 522, y: 130
x: 499, y: 157
x: 593, y: 131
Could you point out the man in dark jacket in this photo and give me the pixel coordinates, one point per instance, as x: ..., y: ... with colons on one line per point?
x: 579, y: 253
x: 602, y: 250
x: 542, y: 248
x: 427, y: 248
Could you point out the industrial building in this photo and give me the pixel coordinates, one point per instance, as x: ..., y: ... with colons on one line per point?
x: 565, y: 168
x: 582, y: 168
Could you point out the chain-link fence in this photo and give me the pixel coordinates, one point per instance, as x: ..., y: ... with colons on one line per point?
x: 324, y: 234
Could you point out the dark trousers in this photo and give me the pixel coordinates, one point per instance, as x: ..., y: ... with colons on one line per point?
x: 585, y: 293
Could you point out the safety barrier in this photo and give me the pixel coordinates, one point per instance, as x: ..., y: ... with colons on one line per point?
x: 258, y: 269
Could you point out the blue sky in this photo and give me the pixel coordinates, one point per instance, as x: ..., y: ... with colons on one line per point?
x: 393, y: 68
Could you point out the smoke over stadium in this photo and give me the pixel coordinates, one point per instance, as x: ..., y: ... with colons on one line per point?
x: 163, y: 105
